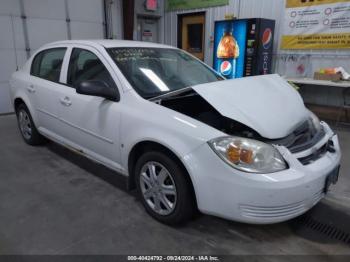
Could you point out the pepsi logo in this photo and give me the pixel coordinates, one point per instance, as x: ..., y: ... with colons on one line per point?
x: 267, y: 38
x: 225, y: 68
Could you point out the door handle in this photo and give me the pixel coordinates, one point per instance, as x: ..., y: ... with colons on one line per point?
x: 66, y: 101
x: 31, y: 88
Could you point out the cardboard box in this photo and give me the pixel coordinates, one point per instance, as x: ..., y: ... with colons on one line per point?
x: 327, y: 77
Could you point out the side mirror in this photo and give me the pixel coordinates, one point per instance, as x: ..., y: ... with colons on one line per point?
x: 98, y: 88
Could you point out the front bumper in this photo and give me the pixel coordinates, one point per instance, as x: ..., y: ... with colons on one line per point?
x: 259, y: 198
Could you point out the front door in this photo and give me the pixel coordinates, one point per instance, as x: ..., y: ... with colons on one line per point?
x: 191, y: 34
x: 90, y: 123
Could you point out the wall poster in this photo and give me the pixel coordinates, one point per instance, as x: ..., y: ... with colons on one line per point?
x: 316, y: 24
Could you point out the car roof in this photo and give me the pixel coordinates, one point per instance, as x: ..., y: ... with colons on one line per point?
x: 110, y: 43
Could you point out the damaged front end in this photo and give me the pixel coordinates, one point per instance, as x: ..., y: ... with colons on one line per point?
x: 226, y: 106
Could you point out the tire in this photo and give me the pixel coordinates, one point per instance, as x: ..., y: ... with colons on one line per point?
x: 182, y: 198
x: 27, y: 128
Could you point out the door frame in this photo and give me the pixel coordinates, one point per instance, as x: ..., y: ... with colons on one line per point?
x: 179, y: 27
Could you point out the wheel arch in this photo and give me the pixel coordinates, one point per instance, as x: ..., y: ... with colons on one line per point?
x: 143, y: 146
x: 17, y: 102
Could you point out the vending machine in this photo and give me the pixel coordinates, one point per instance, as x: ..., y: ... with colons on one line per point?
x: 243, y: 47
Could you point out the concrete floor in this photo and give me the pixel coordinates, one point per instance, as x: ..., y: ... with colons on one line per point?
x: 55, y: 202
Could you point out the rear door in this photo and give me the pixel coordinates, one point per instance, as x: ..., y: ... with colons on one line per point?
x: 90, y: 123
x: 44, y: 87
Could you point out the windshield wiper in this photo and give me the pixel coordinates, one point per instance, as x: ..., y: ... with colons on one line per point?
x: 171, y: 94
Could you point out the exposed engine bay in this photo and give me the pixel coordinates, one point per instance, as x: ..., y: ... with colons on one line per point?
x: 193, y: 105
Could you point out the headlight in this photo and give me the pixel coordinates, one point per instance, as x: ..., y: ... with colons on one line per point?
x: 315, y: 121
x: 248, y: 155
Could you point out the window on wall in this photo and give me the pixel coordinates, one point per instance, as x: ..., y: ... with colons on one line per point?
x: 195, y: 37
x: 85, y: 65
x: 48, y: 63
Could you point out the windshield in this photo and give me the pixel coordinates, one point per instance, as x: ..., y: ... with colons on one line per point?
x: 156, y: 71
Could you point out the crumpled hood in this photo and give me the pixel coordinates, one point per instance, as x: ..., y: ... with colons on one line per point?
x: 267, y: 104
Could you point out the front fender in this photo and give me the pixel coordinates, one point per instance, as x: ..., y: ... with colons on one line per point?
x: 147, y: 121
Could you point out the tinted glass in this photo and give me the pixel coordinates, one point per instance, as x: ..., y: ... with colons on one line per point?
x: 85, y: 65
x: 47, y: 64
x: 155, y: 71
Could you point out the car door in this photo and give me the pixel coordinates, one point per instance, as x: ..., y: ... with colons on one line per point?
x: 90, y: 123
x: 44, y: 86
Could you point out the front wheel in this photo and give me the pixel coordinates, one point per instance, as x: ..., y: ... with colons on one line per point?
x: 164, y: 188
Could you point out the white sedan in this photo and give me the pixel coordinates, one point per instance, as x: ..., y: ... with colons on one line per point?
x: 246, y: 149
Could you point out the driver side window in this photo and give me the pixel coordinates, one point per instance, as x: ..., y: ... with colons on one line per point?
x: 85, y: 65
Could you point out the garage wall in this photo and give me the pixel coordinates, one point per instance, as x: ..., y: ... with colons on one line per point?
x: 114, y: 9
x: 271, y: 9
x: 25, y: 25
x: 239, y: 8
x: 285, y: 61
x: 212, y: 14
x: 11, y: 32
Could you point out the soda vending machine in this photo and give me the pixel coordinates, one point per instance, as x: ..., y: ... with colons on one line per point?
x: 243, y: 47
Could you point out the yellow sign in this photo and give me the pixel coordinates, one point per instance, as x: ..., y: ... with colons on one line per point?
x: 316, y: 24
x: 229, y: 16
x: 316, y: 41
x: 304, y: 3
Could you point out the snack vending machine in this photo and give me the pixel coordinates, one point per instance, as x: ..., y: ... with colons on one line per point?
x: 243, y: 47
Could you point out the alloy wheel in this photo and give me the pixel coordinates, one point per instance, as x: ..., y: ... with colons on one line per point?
x: 25, y: 124
x: 158, y: 188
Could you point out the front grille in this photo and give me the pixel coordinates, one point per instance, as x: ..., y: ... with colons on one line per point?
x: 315, y: 155
x: 302, y: 138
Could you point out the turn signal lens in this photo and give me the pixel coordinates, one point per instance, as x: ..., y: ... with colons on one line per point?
x: 233, y: 154
x: 236, y: 154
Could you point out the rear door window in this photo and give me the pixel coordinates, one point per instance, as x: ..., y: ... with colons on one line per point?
x: 48, y: 63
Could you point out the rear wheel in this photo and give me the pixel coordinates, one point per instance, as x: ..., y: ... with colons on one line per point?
x: 26, y: 125
x: 164, y: 188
